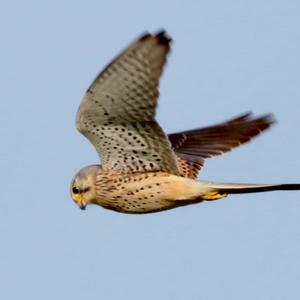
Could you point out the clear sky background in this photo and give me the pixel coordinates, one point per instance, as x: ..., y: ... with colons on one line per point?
x: 228, y: 57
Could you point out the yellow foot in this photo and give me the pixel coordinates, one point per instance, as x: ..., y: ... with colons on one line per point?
x: 213, y: 196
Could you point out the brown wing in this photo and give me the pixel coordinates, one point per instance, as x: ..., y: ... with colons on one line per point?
x: 194, y: 146
x: 117, y: 113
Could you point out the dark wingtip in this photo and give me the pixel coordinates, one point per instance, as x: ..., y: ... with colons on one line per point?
x: 266, y: 119
x: 144, y: 36
x: 163, y: 38
x: 242, y: 117
x: 270, y: 118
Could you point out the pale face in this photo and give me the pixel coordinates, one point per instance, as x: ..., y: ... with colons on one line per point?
x: 82, y: 186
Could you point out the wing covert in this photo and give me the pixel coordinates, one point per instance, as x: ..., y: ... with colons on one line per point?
x: 193, y: 147
x: 117, y: 113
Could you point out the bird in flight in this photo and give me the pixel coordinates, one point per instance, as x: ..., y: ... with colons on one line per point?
x: 144, y: 170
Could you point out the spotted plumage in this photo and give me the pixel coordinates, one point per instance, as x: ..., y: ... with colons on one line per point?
x: 143, y: 169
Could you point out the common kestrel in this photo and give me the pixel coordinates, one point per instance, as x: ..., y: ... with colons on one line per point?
x: 144, y: 170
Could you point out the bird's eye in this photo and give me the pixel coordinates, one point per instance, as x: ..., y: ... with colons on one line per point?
x: 75, y: 190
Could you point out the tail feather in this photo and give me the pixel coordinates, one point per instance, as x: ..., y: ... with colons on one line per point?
x: 240, y: 188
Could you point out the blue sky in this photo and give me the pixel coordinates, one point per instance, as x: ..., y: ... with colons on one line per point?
x: 228, y: 57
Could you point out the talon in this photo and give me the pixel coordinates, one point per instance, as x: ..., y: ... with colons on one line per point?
x: 214, y: 196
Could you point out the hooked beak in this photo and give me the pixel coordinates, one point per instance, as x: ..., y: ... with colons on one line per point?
x: 82, y: 206
x: 79, y: 201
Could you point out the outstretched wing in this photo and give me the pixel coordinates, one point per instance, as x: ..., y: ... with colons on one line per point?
x: 193, y: 147
x: 117, y: 113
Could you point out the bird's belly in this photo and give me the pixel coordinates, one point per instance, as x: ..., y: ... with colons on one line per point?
x: 150, y: 193
x: 138, y: 205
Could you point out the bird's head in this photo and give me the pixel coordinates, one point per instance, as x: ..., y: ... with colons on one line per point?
x: 83, y: 186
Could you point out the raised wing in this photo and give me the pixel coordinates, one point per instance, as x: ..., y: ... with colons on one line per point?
x: 193, y: 147
x: 117, y: 113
